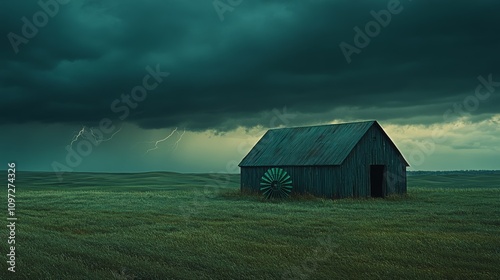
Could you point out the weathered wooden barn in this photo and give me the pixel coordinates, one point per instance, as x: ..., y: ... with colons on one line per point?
x: 334, y: 161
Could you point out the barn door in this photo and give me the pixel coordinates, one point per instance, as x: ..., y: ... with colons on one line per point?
x: 377, y: 178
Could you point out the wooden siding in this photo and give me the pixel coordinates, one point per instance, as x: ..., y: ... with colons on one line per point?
x: 373, y: 149
x: 315, y: 180
x: 351, y: 179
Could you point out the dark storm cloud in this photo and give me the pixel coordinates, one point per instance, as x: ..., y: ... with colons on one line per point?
x: 264, y: 55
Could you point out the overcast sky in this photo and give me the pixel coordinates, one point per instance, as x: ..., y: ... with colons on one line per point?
x: 214, y: 75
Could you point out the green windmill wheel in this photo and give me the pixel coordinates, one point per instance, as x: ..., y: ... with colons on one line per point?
x: 276, y: 183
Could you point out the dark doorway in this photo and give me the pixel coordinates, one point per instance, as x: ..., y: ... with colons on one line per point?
x: 377, y: 180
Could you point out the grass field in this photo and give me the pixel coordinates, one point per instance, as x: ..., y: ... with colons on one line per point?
x: 198, y: 226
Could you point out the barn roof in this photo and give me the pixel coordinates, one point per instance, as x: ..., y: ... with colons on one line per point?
x: 307, y: 146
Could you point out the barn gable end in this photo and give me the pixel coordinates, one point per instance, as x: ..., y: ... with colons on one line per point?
x: 374, y: 148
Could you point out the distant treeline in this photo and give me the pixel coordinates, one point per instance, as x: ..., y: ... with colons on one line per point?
x: 454, y: 172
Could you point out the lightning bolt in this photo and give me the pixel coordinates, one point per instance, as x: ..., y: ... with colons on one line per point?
x: 161, y: 140
x: 76, y: 137
x: 178, y: 140
x: 113, y: 135
x: 96, y: 138
x: 99, y: 141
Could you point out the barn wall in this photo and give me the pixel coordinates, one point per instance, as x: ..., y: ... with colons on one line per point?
x: 351, y: 179
x: 315, y: 180
x: 374, y: 148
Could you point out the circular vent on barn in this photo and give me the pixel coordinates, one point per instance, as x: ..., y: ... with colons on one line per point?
x: 276, y: 183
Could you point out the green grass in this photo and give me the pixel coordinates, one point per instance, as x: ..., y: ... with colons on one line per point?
x: 199, y: 226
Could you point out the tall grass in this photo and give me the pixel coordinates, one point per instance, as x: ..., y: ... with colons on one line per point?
x: 196, y: 226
